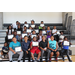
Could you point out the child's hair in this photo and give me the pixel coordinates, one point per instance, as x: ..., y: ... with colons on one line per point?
x: 25, y: 36
x: 61, y: 31
x: 5, y: 42
x: 65, y: 37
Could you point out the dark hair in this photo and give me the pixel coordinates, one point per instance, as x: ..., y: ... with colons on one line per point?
x: 5, y: 42
x: 41, y: 21
x: 32, y: 20
x: 25, y: 21
x: 24, y: 26
x: 25, y: 36
x: 65, y: 37
x: 13, y: 37
x: 17, y: 21
x: 61, y: 31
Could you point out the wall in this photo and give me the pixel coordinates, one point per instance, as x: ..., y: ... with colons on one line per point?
x: 1, y: 20
x: 47, y: 17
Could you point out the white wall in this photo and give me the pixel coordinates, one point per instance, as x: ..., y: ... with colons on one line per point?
x: 47, y: 17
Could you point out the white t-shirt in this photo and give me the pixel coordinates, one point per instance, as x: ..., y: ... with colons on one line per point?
x: 53, y: 31
x: 14, y: 26
x: 9, y: 32
x: 61, y: 37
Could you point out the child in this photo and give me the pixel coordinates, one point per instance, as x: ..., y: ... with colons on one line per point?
x: 54, y: 32
x: 44, y: 28
x: 48, y: 30
x: 25, y: 23
x: 65, y: 49
x: 19, y: 28
x: 40, y: 24
x: 25, y: 28
x: 61, y: 38
x: 40, y: 36
x: 34, y: 49
x: 48, y: 35
x: 9, y: 31
x: 5, y: 50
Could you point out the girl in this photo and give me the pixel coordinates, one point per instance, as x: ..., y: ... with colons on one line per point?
x: 34, y: 49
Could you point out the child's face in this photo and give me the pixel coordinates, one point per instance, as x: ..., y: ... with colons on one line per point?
x: 5, y: 44
x: 26, y: 38
x: 25, y: 22
x: 49, y: 33
x: 43, y: 28
x: 34, y: 39
x: 61, y: 33
x: 9, y: 27
x: 43, y: 38
x: 48, y: 28
x: 41, y: 22
x: 33, y: 32
x: 24, y: 32
x: 40, y: 32
x: 30, y: 28
x: 32, y: 22
x: 18, y: 26
x: 54, y: 27
x: 25, y: 28
x: 52, y: 38
x: 15, y: 33
x: 66, y: 39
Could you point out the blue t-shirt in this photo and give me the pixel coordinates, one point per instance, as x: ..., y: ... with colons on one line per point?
x: 13, y: 45
x: 52, y: 44
x: 65, y: 47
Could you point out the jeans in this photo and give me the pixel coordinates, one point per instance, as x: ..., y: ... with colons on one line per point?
x: 47, y: 53
x: 67, y: 52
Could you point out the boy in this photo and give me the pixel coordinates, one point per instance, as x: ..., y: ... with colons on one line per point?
x: 61, y: 38
x: 54, y: 32
x: 65, y: 49
x: 43, y: 47
x: 12, y: 46
x: 26, y: 48
x: 40, y: 24
x: 34, y: 49
x: 5, y: 50
x: 53, y: 46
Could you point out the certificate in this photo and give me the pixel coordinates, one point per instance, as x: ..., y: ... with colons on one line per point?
x: 18, y: 32
x: 49, y: 39
x: 33, y: 36
x: 43, y: 32
x: 66, y: 43
x: 33, y: 26
x: 10, y: 37
x: 41, y: 25
x: 26, y: 25
x: 12, y: 30
x: 61, y: 37
x: 37, y: 31
x: 17, y: 49
x: 23, y: 35
x: 35, y: 43
x: 58, y: 32
x: 29, y: 30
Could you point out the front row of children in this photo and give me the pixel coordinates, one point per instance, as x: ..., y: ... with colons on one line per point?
x: 49, y: 47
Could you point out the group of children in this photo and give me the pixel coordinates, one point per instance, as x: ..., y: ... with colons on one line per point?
x: 48, y: 40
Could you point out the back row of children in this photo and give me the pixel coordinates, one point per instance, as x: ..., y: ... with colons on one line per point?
x: 41, y: 31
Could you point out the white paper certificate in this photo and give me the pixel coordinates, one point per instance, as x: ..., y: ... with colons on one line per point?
x: 26, y: 25
x: 12, y: 30
x: 58, y: 32
x: 33, y: 26
x: 41, y: 25
x: 24, y: 35
x: 49, y: 39
x: 33, y: 36
x: 66, y: 43
x: 35, y: 43
x: 10, y: 37
x: 29, y: 30
x: 43, y: 32
x: 17, y: 49
x: 18, y: 32
x: 37, y: 31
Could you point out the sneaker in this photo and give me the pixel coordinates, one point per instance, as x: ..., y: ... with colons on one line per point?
x: 11, y: 61
x: 33, y: 60
x: 70, y: 61
x: 50, y: 60
x: 46, y: 60
x: 2, y: 56
x: 56, y: 59
x: 18, y: 60
x: 37, y: 60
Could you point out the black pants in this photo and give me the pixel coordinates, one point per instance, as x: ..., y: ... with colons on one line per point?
x: 25, y: 54
x: 56, y: 37
x: 67, y: 52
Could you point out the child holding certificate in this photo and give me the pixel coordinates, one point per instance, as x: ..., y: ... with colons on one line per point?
x: 65, y: 46
x: 35, y: 49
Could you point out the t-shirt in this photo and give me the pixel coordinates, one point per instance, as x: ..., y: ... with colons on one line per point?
x: 9, y: 32
x: 14, y: 26
x: 13, y: 45
x: 43, y: 44
x: 52, y: 44
x: 53, y: 31
x: 65, y: 47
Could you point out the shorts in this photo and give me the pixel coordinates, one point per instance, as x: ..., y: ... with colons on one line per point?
x: 54, y: 52
x: 4, y: 53
x: 35, y: 50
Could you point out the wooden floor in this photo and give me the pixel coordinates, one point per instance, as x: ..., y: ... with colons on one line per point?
x: 72, y: 58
